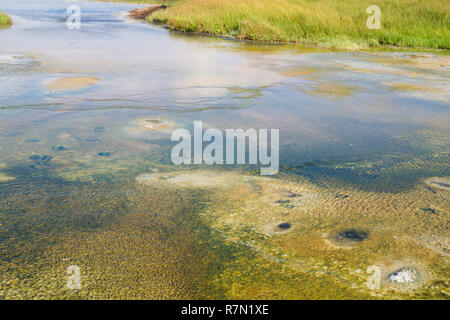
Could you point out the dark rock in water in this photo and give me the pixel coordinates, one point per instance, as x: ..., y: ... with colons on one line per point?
x: 153, y: 121
x: 430, y: 189
x: 93, y: 140
x: 284, y: 225
x: 59, y: 148
x: 405, y: 275
x: 35, y: 157
x: 44, y: 160
x: 429, y: 210
x: 351, y: 235
x: 104, y: 154
x: 285, y: 204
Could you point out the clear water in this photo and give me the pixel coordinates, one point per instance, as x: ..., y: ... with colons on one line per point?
x: 344, y: 118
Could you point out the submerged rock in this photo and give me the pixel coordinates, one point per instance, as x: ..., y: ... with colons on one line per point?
x: 39, y: 160
x: 351, y: 235
x: 59, y: 148
x: 154, y: 124
x: 429, y: 210
x: 284, y: 226
x: 71, y: 83
x: 142, y: 127
x: 405, y: 275
x: 99, y: 129
x: 348, y: 237
x: 104, y: 154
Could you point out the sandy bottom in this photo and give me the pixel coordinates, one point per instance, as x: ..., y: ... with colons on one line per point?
x: 331, y: 90
x: 142, y: 128
x: 401, y: 86
x: 71, y: 83
x: 197, y: 179
x: 4, y: 177
x: 216, y: 234
x: 389, y: 228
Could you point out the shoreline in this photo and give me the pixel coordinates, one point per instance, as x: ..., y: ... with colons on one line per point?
x: 210, y: 19
x: 190, y: 15
x: 138, y: 14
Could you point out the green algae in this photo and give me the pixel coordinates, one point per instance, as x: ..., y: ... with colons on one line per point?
x: 173, y: 236
x: 331, y: 90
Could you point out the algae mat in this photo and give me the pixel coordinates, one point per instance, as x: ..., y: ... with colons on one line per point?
x: 170, y: 235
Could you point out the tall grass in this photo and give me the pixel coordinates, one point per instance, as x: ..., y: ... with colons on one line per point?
x: 4, y: 20
x: 331, y: 23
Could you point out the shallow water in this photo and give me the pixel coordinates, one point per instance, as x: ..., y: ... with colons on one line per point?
x: 370, y: 126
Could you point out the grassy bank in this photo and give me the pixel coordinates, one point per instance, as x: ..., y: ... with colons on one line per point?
x: 4, y: 20
x: 330, y: 23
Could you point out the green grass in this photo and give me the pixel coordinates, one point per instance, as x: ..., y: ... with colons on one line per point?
x: 4, y: 20
x: 327, y: 23
x: 324, y: 23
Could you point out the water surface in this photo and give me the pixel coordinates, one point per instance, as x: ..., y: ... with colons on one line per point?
x: 373, y: 125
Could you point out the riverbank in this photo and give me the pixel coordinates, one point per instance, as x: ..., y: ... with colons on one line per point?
x: 5, y: 20
x: 323, y: 23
